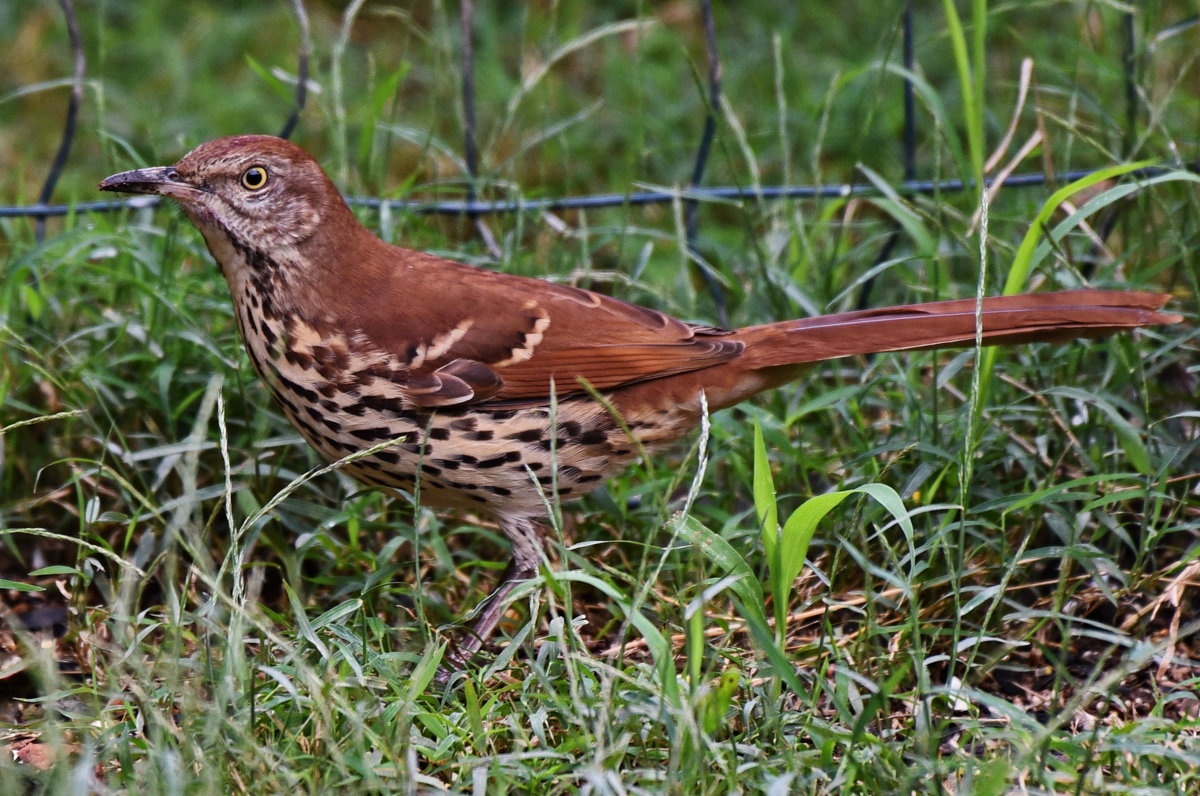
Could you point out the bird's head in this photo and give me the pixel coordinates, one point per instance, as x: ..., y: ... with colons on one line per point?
x: 262, y: 193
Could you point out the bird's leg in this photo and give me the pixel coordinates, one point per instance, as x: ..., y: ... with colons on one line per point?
x: 527, y: 538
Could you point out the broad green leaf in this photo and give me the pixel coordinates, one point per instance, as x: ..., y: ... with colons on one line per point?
x: 802, y: 524
x: 798, y: 533
x: 55, y: 569
x: 15, y: 586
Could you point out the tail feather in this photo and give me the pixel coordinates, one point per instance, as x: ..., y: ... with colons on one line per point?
x: 1034, y: 317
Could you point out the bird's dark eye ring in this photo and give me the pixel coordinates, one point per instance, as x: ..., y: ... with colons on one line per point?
x: 254, y: 178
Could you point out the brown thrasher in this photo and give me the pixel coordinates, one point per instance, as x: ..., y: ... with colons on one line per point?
x: 363, y: 342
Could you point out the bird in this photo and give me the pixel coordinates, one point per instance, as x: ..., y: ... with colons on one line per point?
x: 499, y: 393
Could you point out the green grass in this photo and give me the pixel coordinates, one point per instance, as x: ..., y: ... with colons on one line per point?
x: 1010, y: 635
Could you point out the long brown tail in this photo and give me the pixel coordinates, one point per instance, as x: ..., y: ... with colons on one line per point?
x: 1032, y: 317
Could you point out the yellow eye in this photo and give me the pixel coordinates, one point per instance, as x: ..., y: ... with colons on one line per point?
x: 254, y: 178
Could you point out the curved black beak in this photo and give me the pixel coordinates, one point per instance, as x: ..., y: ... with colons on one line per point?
x: 161, y: 180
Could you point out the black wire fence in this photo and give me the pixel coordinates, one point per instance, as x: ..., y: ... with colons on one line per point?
x: 693, y: 194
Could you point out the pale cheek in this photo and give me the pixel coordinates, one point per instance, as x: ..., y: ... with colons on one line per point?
x: 293, y: 224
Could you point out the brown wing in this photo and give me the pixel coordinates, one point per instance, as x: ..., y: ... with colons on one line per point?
x: 468, y: 335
